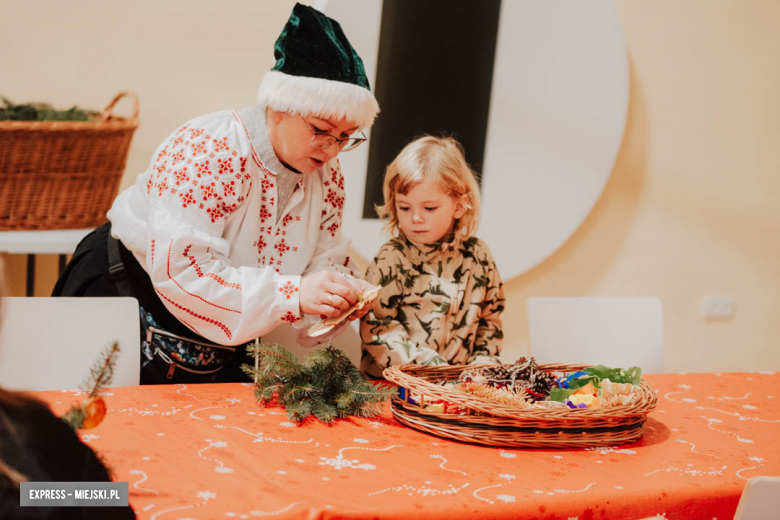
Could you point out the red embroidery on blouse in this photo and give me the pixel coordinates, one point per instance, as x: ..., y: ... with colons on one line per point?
x: 162, y: 186
x: 333, y: 228
x: 260, y: 245
x: 290, y: 317
x: 160, y: 168
x: 191, y: 327
x: 264, y: 214
x: 199, y: 148
x: 202, y: 169
x: 286, y: 220
x: 228, y: 188
x: 338, y: 179
x: 200, y: 273
x: 225, y: 165
x: 186, y: 197
x: 215, y: 214
x: 153, y: 252
x: 282, y: 247
x: 208, y: 191
x: 181, y: 176
x: 204, y: 180
x: 221, y: 145
x: 177, y: 157
x: 288, y: 289
x: 218, y: 261
x: 204, y: 318
x: 255, y: 156
x: 334, y: 199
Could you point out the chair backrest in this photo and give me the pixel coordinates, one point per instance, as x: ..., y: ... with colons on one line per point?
x: 51, y: 343
x: 613, y: 331
x: 760, y: 499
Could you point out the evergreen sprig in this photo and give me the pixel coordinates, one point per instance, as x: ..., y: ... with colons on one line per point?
x: 100, y: 375
x: 42, y: 112
x: 326, y: 386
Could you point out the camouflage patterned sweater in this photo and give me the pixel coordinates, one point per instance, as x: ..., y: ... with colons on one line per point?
x: 435, y: 307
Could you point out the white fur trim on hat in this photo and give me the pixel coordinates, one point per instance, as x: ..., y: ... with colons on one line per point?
x: 318, y: 97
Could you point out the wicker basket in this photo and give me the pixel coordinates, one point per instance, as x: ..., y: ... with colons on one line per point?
x: 62, y: 174
x: 510, y: 426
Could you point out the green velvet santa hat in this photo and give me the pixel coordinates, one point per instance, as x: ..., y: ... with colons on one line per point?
x: 317, y: 72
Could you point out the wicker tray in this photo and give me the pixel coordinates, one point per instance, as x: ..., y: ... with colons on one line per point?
x: 510, y: 426
x: 62, y: 174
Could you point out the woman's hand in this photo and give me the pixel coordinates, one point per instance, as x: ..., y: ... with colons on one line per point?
x: 361, y: 286
x: 327, y: 293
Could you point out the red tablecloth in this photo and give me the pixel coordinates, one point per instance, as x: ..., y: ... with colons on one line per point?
x: 210, y: 451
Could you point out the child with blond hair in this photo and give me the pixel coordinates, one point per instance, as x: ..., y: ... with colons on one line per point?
x: 441, y: 295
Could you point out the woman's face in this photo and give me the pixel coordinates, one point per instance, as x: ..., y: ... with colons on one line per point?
x: 291, y: 139
x: 426, y: 213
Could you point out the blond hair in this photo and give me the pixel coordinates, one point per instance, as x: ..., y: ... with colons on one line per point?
x: 439, y: 159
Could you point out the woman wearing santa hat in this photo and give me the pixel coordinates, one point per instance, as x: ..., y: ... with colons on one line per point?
x: 235, y: 227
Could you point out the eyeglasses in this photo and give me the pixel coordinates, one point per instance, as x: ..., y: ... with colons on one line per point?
x: 321, y: 140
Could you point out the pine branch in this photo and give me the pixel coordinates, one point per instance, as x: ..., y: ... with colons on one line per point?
x: 102, y: 371
x: 327, y: 385
x: 101, y: 374
x: 74, y: 417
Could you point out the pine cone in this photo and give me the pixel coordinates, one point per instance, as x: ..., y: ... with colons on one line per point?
x: 497, y: 374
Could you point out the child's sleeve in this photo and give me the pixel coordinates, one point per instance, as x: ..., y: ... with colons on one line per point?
x: 384, y: 330
x: 490, y: 335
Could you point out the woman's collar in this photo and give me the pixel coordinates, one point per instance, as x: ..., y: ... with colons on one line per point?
x: 257, y: 128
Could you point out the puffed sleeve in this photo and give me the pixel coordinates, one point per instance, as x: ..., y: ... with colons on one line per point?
x: 384, y: 330
x: 197, y: 179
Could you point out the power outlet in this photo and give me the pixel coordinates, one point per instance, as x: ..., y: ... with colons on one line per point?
x: 717, y: 307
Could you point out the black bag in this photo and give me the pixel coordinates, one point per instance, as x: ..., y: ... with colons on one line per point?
x: 175, y: 359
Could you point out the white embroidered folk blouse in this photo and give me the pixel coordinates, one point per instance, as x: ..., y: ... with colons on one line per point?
x: 202, y: 220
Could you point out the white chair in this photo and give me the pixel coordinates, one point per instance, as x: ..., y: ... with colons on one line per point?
x: 760, y: 499
x: 612, y: 331
x: 348, y: 342
x: 51, y: 343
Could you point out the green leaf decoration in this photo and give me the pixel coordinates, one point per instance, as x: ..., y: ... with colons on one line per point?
x: 631, y: 375
x: 560, y: 394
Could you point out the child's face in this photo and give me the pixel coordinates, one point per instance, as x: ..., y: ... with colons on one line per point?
x: 291, y: 139
x: 426, y: 213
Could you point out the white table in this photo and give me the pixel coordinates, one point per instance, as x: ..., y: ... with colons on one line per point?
x: 55, y: 241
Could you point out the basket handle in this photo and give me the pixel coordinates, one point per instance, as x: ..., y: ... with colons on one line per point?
x: 108, y: 112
